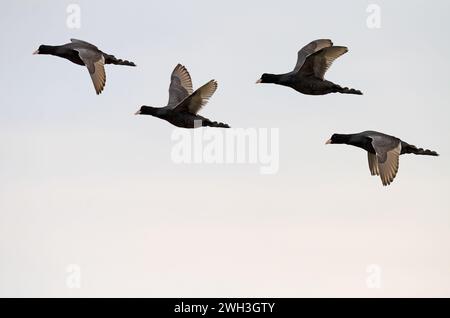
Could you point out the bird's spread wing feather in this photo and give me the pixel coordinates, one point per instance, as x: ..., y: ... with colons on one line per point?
x: 373, y: 164
x: 387, y: 150
x: 95, y: 63
x: 309, y: 49
x: 318, y: 63
x: 180, y: 86
x: 194, y: 102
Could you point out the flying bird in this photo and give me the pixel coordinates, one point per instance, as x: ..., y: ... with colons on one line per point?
x: 86, y: 54
x: 383, y: 151
x: 307, y: 77
x: 184, y: 103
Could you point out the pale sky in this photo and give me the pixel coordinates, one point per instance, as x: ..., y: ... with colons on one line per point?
x: 85, y: 182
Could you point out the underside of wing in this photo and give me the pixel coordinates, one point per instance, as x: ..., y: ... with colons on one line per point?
x: 99, y: 75
x: 318, y: 63
x: 95, y: 63
x: 373, y: 164
x: 197, y: 100
x: 388, y: 163
x: 180, y: 85
x: 309, y: 49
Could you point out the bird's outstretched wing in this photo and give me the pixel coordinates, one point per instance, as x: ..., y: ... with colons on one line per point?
x: 309, y: 49
x: 180, y: 86
x: 385, y: 162
x: 318, y: 63
x: 95, y: 63
x: 194, y: 102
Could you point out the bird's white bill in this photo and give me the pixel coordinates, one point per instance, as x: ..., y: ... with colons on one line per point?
x: 138, y: 112
x: 328, y: 142
x: 36, y: 52
x: 258, y: 81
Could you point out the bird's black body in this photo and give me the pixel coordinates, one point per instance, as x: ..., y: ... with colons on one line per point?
x: 180, y: 119
x: 309, y: 85
x: 69, y: 51
x: 184, y: 103
x: 364, y: 141
x: 85, y: 54
x: 383, y: 151
x: 313, y: 61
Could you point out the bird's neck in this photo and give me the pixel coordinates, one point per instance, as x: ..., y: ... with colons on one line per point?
x: 48, y: 49
x: 153, y: 111
x: 272, y: 78
x: 343, y: 139
x: 355, y: 140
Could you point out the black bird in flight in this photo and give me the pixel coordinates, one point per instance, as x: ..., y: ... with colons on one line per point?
x: 307, y: 77
x: 184, y: 103
x: 86, y: 54
x: 383, y: 151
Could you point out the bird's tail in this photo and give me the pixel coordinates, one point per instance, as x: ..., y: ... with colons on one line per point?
x: 111, y: 59
x: 346, y: 90
x: 407, y: 148
x: 209, y: 123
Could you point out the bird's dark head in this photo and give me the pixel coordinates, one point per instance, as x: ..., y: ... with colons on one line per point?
x: 337, y: 139
x: 146, y: 110
x: 44, y: 49
x: 268, y: 78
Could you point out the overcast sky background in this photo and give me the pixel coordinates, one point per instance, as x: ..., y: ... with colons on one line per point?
x: 85, y: 182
